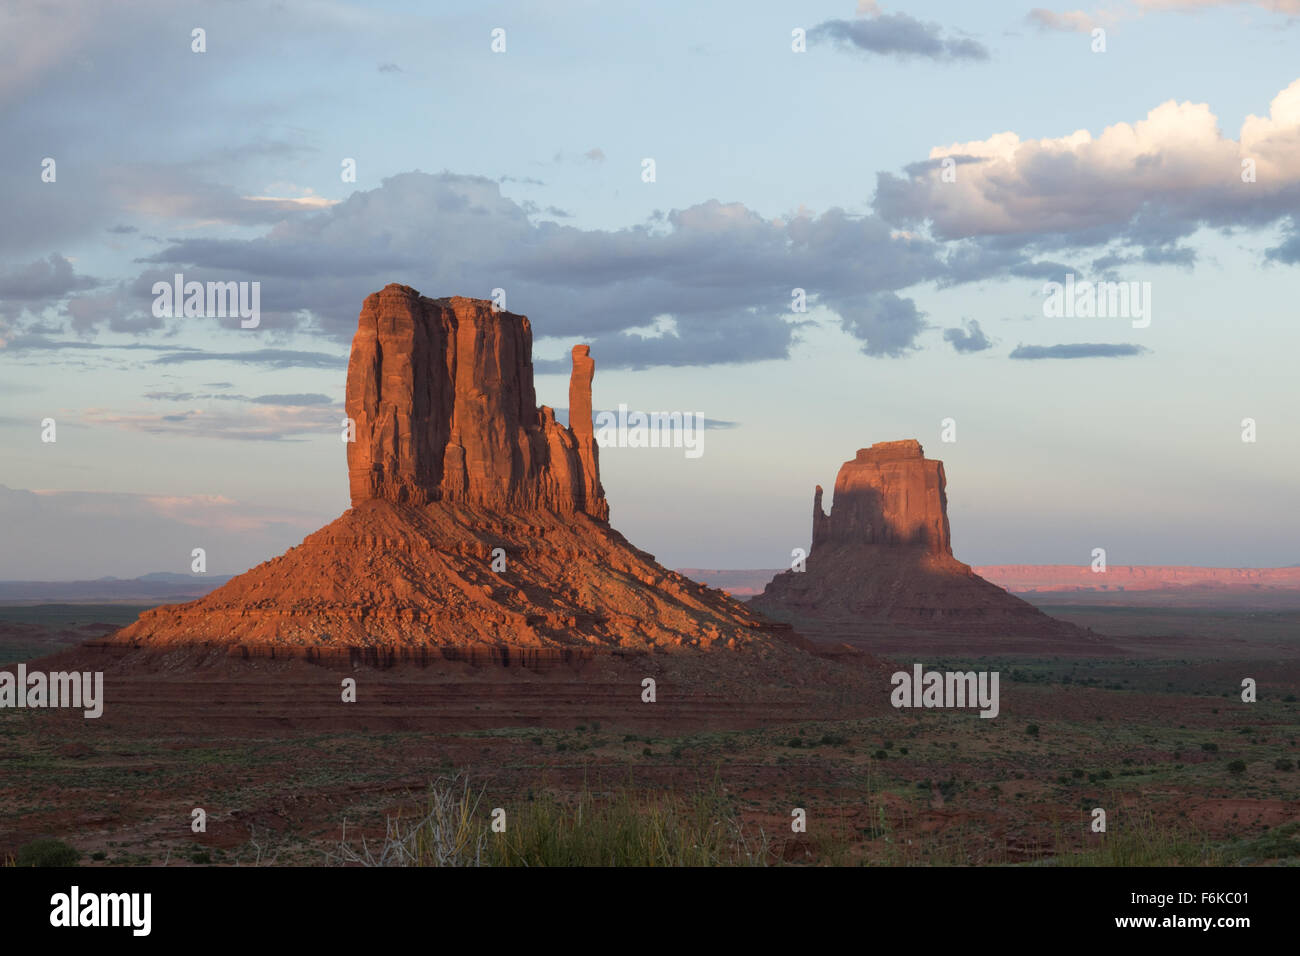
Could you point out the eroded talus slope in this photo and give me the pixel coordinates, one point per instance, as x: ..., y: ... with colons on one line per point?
x: 477, y: 518
x: 883, y: 558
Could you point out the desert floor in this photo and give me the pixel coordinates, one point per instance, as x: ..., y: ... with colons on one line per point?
x: 280, y: 764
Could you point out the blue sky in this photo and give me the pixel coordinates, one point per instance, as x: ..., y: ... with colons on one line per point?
x: 774, y: 170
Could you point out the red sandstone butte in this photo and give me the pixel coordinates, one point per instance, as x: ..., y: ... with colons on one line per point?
x: 441, y: 391
x: 882, y: 560
x: 452, y: 461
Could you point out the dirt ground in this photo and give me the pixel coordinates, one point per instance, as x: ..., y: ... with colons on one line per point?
x: 280, y: 763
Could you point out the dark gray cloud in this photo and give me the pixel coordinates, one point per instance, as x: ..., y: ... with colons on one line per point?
x: 190, y: 396
x: 562, y: 416
x: 886, y: 323
x: 271, y: 423
x: 298, y: 400
x: 1288, y: 252
x: 272, y: 358
x: 534, y: 209
x: 39, y: 284
x: 121, y: 308
x: 968, y: 339
x: 42, y: 343
x: 723, y: 274
x: 897, y: 34
x: 302, y: 398
x: 1073, y: 351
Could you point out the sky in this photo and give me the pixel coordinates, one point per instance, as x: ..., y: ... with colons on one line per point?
x: 922, y: 171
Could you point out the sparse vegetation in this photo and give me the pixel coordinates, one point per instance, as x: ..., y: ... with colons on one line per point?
x: 628, y: 828
x: 1141, y: 841
x: 47, y: 852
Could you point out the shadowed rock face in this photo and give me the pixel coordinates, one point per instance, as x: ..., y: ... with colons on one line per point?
x: 478, y: 523
x: 882, y: 559
x: 441, y: 391
x: 889, y: 494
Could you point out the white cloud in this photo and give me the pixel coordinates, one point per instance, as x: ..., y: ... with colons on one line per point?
x: 1078, y: 21
x: 1175, y: 164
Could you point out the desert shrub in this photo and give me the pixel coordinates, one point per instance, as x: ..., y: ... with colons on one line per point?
x: 629, y: 828
x: 1142, y: 841
x: 1281, y: 763
x: 446, y: 835
x: 1210, y: 747
x: 1237, y: 766
x: 1279, y: 843
x: 47, y: 852
x: 1032, y: 730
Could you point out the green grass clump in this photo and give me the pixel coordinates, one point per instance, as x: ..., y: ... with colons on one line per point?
x: 1140, y: 841
x: 628, y: 829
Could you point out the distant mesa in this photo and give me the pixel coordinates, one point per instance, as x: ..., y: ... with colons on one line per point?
x: 455, y: 470
x: 891, y: 495
x: 881, y: 561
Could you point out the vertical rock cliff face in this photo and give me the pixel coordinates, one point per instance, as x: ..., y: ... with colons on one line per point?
x: 881, y: 560
x: 890, y: 494
x: 441, y: 391
x: 580, y: 424
x: 477, y: 520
